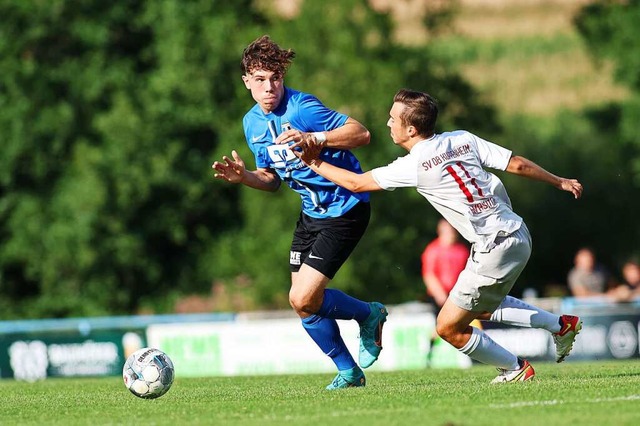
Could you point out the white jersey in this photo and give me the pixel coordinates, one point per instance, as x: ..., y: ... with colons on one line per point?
x: 448, y: 170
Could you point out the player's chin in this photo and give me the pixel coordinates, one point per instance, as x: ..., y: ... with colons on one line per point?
x: 270, y: 103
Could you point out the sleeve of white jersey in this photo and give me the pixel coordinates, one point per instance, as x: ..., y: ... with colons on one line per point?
x: 492, y: 155
x: 402, y: 173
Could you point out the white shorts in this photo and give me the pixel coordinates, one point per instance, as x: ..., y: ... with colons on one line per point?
x: 489, y: 276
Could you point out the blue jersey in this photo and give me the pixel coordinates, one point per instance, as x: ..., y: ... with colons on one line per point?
x: 321, y: 198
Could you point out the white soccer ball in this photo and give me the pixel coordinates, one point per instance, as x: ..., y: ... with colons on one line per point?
x: 148, y: 373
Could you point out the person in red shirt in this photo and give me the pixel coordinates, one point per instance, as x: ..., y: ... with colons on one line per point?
x: 442, y: 261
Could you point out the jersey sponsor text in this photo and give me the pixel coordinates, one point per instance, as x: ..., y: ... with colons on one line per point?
x: 487, y: 204
x: 447, y: 155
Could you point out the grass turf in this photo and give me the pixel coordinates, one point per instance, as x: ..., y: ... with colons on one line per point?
x: 593, y: 393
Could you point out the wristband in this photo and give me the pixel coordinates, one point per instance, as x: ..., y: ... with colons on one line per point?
x: 321, y: 137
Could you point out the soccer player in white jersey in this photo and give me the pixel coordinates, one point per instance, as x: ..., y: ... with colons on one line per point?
x: 448, y: 169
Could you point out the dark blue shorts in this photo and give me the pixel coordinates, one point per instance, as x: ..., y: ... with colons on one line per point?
x: 325, y: 244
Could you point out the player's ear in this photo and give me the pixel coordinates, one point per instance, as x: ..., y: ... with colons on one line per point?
x: 246, y: 80
x: 411, y: 131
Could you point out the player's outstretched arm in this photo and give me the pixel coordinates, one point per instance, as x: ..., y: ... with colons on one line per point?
x: 350, y: 135
x: 355, y: 182
x: 234, y: 171
x: 524, y: 167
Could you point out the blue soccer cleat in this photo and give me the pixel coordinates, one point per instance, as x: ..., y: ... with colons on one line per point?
x: 371, y: 334
x: 348, y: 379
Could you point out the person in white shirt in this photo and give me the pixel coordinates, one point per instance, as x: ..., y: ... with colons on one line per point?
x: 448, y: 169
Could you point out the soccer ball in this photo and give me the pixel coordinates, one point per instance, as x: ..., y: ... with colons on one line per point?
x: 148, y: 373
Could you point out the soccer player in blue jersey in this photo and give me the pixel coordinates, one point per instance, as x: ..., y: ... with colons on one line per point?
x: 332, y: 219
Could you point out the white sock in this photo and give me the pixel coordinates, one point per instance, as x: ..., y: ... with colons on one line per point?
x: 514, y: 311
x: 484, y: 349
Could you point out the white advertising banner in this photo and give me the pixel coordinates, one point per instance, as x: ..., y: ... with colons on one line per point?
x: 282, y: 346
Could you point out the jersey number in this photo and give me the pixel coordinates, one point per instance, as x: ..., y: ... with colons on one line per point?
x: 461, y: 183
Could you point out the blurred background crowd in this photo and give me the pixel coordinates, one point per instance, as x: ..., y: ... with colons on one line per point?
x: 587, y: 279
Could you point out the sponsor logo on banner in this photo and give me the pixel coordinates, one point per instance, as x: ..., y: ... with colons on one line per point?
x: 35, y: 360
x: 29, y: 360
x: 622, y: 339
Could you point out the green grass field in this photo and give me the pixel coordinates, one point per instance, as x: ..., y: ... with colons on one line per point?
x: 579, y: 393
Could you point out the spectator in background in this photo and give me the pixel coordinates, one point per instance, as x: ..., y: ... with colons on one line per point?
x: 442, y: 261
x: 587, y: 278
x: 630, y: 286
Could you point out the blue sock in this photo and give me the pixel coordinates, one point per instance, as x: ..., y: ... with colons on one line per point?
x: 326, y: 334
x: 339, y: 305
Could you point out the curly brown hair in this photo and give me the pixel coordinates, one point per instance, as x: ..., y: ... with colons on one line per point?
x: 265, y: 54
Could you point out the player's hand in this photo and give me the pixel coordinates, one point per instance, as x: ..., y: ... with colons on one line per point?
x: 292, y: 135
x: 230, y: 170
x: 573, y: 186
x: 308, y: 152
x: 297, y: 139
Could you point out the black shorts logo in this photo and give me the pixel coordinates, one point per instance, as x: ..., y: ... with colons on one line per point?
x: 294, y: 257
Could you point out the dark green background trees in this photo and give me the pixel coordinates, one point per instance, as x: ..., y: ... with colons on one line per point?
x: 111, y: 114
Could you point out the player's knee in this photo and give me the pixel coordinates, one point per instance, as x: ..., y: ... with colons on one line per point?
x: 303, y: 303
x: 448, y: 331
x: 452, y: 332
x: 294, y: 301
x: 443, y: 330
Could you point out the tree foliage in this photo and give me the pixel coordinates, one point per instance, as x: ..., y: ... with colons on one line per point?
x: 112, y: 113
x: 610, y: 29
